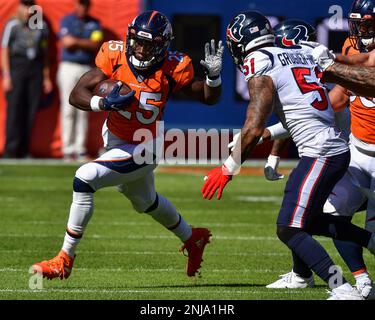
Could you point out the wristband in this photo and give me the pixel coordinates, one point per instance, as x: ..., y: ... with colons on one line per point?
x: 94, y: 103
x: 273, y: 161
x: 232, y: 166
x: 277, y: 131
x: 213, y: 82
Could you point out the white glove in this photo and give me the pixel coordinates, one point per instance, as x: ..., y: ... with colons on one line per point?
x: 235, y: 139
x: 323, y: 57
x: 270, y: 169
x: 213, y: 59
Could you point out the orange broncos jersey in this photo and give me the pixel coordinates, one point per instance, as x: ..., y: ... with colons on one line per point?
x: 362, y: 109
x: 152, y: 92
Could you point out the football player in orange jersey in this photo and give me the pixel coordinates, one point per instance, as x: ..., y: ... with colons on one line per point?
x: 358, y: 185
x: 144, y: 63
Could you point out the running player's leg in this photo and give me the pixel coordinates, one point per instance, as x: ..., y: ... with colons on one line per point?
x: 301, y: 214
x: 346, y: 199
x: 113, y: 168
x: 144, y: 199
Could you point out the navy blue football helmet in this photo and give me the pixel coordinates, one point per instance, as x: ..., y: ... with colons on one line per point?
x: 247, y: 31
x: 362, y: 25
x: 289, y: 32
x: 152, y: 30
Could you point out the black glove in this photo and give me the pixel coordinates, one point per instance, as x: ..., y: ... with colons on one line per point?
x: 115, y: 101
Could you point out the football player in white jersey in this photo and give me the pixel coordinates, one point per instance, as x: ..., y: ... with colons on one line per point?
x: 284, y: 81
x: 352, y: 192
x: 288, y: 33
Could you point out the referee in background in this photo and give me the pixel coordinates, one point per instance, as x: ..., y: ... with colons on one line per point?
x: 81, y: 37
x: 25, y: 71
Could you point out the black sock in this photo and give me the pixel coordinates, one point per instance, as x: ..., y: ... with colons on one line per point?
x: 301, y: 268
x: 310, y: 252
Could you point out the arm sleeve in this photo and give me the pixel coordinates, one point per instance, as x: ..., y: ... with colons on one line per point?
x: 256, y: 64
x: 278, y: 131
x: 103, y: 61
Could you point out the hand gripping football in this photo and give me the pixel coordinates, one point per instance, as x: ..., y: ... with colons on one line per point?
x: 103, y: 88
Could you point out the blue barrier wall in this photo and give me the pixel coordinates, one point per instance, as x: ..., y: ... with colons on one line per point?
x: 230, y: 113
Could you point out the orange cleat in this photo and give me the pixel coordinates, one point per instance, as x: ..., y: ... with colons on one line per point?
x: 195, y: 247
x: 60, y: 266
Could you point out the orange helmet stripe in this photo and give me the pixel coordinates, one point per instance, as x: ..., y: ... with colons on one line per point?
x: 152, y: 16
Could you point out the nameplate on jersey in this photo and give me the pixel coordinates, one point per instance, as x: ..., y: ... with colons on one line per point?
x: 289, y: 58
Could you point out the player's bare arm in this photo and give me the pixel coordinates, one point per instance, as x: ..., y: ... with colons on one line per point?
x: 339, y: 97
x: 83, y: 98
x: 262, y: 93
x: 278, y: 146
x: 81, y: 94
x: 199, y: 90
x: 366, y: 59
x: 358, y: 79
x: 356, y: 59
x: 208, y: 91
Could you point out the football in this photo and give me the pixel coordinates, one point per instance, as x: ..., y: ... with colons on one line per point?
x: 105, y: 87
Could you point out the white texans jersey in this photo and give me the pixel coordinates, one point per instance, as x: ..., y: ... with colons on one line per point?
x: 302, y: 102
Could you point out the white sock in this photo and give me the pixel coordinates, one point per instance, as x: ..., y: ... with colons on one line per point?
x: 345, y: 287
x: 167, y: 215
x: 70, y: 244
x: 81, y: 211
x: 363, y: 277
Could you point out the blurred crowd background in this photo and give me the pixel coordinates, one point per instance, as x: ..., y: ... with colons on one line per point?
x: 39, y: 130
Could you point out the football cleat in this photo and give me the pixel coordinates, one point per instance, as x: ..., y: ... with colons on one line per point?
x: 194, y: 247
x: 341, y: 294
x: 366, y: 289
x: 292, y: 280
x: 60, y: 266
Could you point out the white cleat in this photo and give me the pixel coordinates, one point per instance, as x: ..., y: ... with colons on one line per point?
x: 366, y: 289
x: 292, y: 280
x: 342, y: 294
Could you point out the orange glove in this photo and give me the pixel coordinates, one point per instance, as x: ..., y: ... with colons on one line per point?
x: 216, y: 179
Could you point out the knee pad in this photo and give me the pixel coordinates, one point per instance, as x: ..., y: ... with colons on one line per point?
x: 83, y: 178
x: 285, y: 233
x: 140, y: 203
x: 81, y: 186
x: 153, y: 206
x: 144, y: 205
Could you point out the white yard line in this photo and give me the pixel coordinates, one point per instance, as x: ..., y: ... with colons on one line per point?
x: 259, y: 199
x: 148, y: 291
x: 147, y: 237
x: 145, y: 224
x: 234, y: 271
x: 120, y: 252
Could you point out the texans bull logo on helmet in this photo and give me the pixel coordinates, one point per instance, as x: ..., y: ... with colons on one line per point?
x: 301, y: 33
x: 234, y: 32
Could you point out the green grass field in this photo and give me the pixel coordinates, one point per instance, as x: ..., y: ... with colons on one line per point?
x: 126, y: 255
